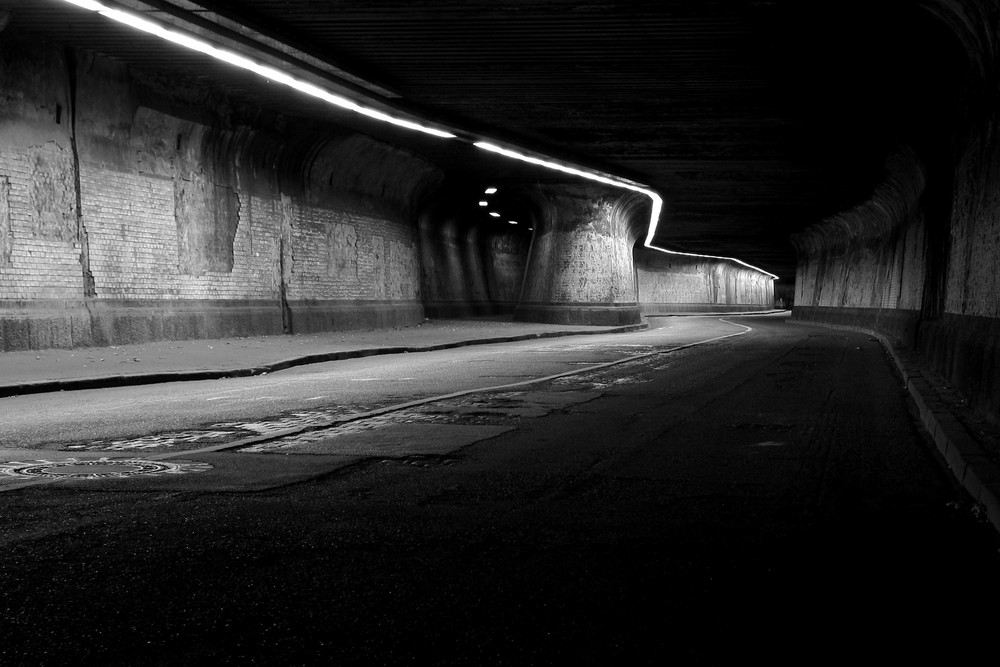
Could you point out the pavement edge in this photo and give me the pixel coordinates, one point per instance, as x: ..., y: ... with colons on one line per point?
x: 119, y: 380
x: 966, y: 458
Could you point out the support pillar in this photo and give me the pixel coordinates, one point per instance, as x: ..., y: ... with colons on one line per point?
x: 580, y: 267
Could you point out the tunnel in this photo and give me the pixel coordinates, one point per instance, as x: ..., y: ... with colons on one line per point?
x: 840, y: 163
x: 499, y: 332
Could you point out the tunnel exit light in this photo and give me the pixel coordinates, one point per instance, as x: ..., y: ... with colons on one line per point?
x: 265, y: 71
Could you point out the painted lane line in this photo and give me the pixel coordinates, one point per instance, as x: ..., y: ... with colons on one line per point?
x: 443, y: 397
x: 296, y: 430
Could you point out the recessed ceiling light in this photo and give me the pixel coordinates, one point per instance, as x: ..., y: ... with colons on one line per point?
x: 513, y: 222
x: 484, y: 203
x: 494, y: 214
x: 491, y: 191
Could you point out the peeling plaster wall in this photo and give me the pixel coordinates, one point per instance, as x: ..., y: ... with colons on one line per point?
x: 674, y: 283
x: 39, y: 248
x: 132, y: 211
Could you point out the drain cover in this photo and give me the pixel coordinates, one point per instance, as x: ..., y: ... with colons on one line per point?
x: 103, y: 468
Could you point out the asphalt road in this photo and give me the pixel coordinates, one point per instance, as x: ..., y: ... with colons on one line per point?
x: 339, y: 388
x: 763, y: 497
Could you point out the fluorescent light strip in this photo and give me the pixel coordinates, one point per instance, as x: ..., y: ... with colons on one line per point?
x: 657, y: 201
x: 242, y: 62
x: 278, y: 76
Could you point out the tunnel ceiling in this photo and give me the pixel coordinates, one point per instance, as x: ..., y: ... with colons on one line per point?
x: 752, y: 118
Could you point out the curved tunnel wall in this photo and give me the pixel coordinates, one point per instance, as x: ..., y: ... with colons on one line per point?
x: 679, y: 284
x: 469, y: 266
x: 131, y: 211
x: 921, y: 260
x: 866, y: 266
x: 580, y: 268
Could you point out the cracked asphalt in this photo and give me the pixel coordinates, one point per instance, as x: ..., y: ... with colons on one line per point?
x: 769, y: 496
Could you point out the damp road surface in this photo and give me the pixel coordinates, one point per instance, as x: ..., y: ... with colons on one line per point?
x: 767, y: 496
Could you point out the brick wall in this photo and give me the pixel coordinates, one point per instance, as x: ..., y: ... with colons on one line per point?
x: 133, y: 238
x: 139, y: 217
x: 39, y: 251
x: 342, y: 255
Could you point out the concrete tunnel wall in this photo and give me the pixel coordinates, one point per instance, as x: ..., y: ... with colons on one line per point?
x: 921, y: 260
x: 580, y: 267
x: 675, y: 283
x: 132, y: 209
x: 468, y: 266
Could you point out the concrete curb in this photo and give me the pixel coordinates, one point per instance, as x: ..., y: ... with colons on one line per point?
x: 970, y: 464
x: 108, y: 381
x: 741, y: 313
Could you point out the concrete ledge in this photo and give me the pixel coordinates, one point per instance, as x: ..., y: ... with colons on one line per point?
x: 97, y: 322
x: 316, y: 316
x: 973, y: 469
x: 605, y: 315
x: 670, y: 308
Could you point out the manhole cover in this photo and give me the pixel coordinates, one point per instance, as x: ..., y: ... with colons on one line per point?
x: 103, y: 468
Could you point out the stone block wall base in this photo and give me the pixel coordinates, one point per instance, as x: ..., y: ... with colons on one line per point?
x: 605, y: 315
x: 668, y: 308
x: 96, y: 322
x: 459, y: 309
x: 317, y: 316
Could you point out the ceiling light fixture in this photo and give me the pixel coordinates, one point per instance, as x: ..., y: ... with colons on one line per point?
x: 491, y: 191
x: 484, y: 203
x: 243, y: 62
x: 494, y: 214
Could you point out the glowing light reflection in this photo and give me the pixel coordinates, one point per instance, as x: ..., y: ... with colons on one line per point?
x: 312, y: 90
x: 657, y: 201
x: 242, y: 62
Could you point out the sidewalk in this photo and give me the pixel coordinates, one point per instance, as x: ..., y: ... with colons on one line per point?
x: 38, y: 371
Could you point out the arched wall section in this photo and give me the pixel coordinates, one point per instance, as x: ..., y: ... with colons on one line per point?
x: 472, y: 264
x: 921, y: 260
x: 131, y: 210
x: 866, y: 266
x: 580, y: 267
x: 678, y: 284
